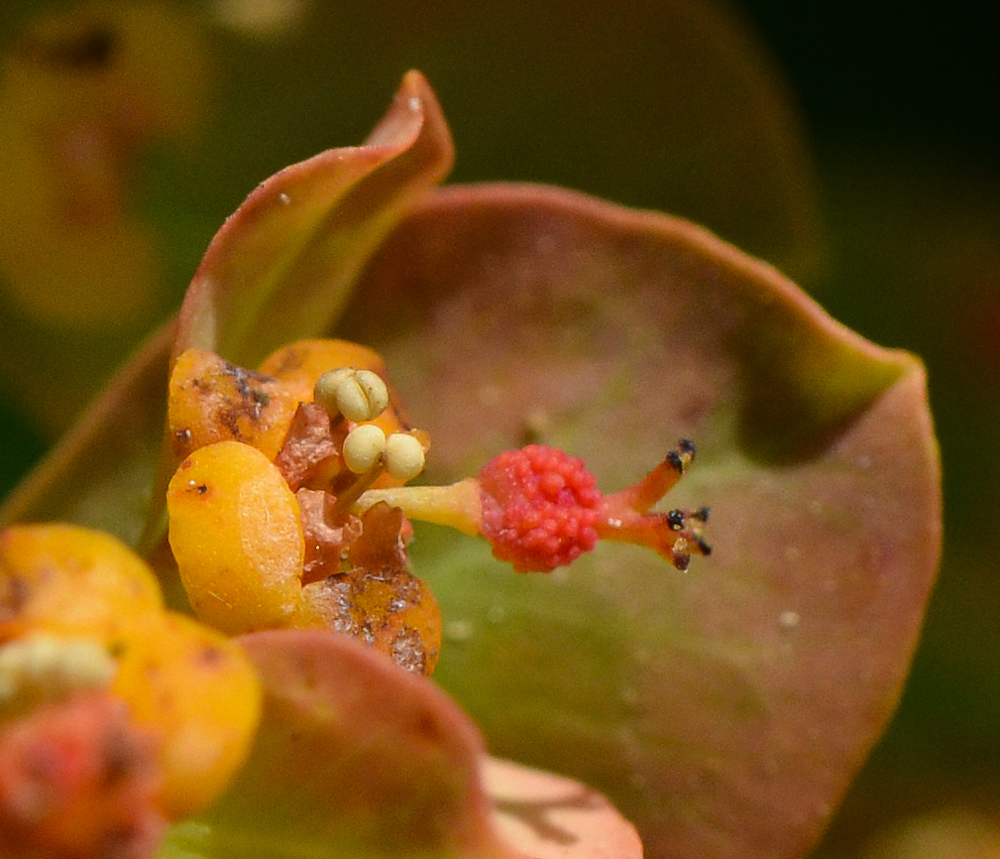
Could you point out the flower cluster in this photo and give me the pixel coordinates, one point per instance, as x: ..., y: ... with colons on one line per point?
x: 289, y: 507
x: 264, y: 524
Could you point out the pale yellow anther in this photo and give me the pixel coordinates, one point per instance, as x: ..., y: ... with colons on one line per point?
x: 327, y: 385
x: 404, y: 456
x: 364, y: 447
x: 43, y: 667
x: 358, y: 395
x: 362, y: 396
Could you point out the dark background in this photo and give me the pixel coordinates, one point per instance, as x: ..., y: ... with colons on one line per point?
x: 926, y: 72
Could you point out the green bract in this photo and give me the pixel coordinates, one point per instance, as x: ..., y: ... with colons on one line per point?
x: 724, y: 710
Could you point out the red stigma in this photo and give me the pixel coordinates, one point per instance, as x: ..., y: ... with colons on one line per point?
x: 540, y: 508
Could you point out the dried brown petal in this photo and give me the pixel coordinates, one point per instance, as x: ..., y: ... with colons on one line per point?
x: 326, y: 540
x: 308, y: 446
x: 383, y: 543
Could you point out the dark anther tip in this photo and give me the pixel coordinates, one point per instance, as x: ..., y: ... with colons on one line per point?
x: 676, y: 519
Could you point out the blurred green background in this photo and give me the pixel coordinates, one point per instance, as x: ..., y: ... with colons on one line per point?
x: 856, y: 146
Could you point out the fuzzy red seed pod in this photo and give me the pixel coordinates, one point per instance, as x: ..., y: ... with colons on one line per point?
x: 539, y: 508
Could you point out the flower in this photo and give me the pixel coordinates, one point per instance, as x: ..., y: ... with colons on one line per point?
x: 512, y: 316
x: 289, y: 505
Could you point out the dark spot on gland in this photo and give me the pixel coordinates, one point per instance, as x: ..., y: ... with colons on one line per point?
x: 211, y: 656
x: 243, y: 378
x: 291, y: 359
x: 229, y: 417
x: 249, y: 404
x: 202, y: 488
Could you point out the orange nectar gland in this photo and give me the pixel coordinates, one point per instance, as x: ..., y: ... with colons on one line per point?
x: 540, y: 508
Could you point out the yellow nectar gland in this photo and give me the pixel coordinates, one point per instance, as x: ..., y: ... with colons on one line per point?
x: 81, y: 620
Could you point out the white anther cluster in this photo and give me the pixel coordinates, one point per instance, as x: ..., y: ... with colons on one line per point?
x: 43, y: 667
x: 367, y: 447
x: 358, y: 395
